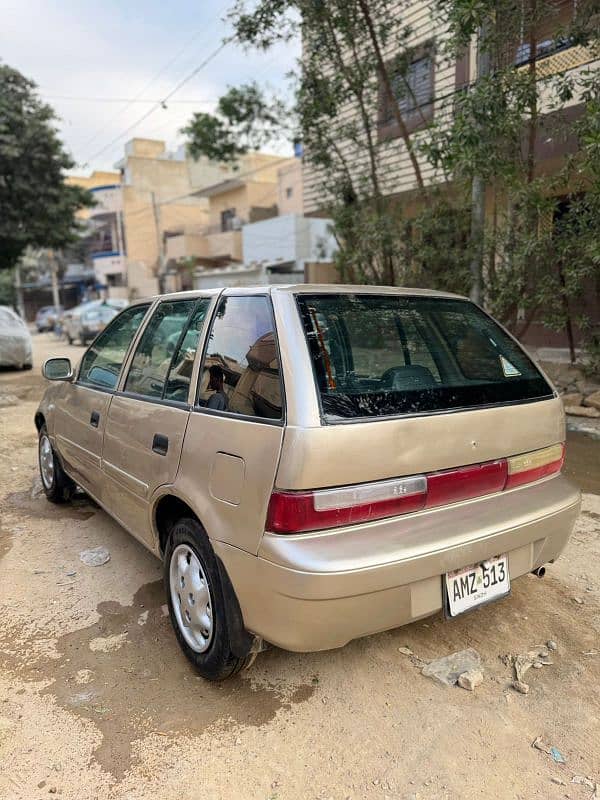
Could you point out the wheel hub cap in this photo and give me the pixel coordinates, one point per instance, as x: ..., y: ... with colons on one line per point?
x: 46, y: 462
x: 190, y: 596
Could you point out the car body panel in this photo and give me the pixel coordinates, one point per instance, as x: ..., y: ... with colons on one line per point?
x: 132, y: 470
x: 334, y: 586
x: 225, y: 460
x: 77, y: 439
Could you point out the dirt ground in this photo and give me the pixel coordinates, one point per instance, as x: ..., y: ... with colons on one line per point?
x: 96, y: 700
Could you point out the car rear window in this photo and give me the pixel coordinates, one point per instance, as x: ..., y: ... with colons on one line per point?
x: 386, y: 355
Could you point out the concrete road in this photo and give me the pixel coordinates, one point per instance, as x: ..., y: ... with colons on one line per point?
x: 96, y: 700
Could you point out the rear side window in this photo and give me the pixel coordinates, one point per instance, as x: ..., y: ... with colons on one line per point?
x: 385, y: 355
x: 240, y: 373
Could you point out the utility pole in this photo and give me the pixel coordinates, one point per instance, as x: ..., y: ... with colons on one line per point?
x: 54, y: 279
x: 159, y: 237
x: 19, y: 291
x: 478, y: 190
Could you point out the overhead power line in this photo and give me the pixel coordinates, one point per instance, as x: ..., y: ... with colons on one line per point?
x: 162, y: 103
x: 199, y: 101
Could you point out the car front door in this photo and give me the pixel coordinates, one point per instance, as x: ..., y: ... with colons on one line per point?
x: 148, y: 417
x: 82, y: 409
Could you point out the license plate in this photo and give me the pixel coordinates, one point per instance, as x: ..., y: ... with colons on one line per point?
x: 473, y: 586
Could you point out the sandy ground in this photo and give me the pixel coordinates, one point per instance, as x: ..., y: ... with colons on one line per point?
x: 96, y: 700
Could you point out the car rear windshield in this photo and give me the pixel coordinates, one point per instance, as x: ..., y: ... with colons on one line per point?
x: 386, y: 355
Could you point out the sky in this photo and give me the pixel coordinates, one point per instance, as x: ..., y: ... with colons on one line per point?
x: 90, y: 60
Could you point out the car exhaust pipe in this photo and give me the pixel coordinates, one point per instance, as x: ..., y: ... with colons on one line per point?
x: 539, y: 571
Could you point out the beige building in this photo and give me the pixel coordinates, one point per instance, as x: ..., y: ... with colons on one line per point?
x: 289, y: 188
x: 242, y: 196
x: 157, y: 197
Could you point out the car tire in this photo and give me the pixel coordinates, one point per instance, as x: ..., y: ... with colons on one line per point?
x: 190, y: 564
x: 57, y: 485
x: 29, y: 365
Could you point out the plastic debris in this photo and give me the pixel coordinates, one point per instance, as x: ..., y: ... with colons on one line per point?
x: 447, y: 670
x: 583, y: 781
x: 95, y: 557
x: 550, y: 750
x: 406, y: 651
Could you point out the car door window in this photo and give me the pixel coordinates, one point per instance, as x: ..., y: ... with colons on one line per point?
x: 152, y: 359
x: 177, y: 384
x: 241, y: 373
x: 102, y: 363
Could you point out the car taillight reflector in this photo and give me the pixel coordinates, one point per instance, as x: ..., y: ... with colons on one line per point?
x: 295, y: 512
x: 463, y: 483
x: 298, y: 512
x: 531, y: 467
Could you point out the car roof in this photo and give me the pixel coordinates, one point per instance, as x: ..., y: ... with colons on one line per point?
x: 305, y: 288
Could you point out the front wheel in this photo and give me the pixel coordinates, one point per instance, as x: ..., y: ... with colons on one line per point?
x: 58, y: 487
x: 197, y: 604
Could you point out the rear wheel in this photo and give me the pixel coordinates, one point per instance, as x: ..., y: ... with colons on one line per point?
x: 29, y: 365
x: 58, y: 487
x: 197, y: 604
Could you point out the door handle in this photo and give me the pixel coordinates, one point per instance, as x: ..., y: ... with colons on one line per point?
x: 95, y: 419
x: 160, y: 444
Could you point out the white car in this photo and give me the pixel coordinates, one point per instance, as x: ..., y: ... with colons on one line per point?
x: 15, y: 340
x: 73, y: 319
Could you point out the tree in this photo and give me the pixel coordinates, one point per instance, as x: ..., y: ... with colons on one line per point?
x: 536, y: 251
x: 495, y: 221
x: 37, y: 208
x: 344, y: 65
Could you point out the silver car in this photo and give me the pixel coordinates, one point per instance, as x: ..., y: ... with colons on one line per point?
x: 15, y: 340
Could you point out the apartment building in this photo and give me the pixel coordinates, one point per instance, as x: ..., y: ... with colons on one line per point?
x: 425, y: 90
x: 104, y: 233
x: 157, y: 197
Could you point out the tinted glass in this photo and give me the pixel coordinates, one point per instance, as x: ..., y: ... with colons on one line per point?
x: 180, y: 373
x: 153, y: 355
x: 240, y: 373
x: 102, y: 363
x: 387, y: 355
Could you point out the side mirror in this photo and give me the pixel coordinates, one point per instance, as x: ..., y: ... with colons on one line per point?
x: 57, y: 369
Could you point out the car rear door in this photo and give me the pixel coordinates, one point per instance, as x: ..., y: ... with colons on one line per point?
x: 82, y: 409
x: 230, y: 453
x: 148, y: 416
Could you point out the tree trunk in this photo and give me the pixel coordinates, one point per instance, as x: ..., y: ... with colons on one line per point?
x: 389, y: 92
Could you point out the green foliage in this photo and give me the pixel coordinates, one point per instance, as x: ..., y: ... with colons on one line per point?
x: 244, y: 120
x: 539, y: 249
x: 37, y: 208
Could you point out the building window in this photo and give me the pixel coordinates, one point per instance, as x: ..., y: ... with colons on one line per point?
x: 551, y: 35
x: 289, y: 192
x: 413, y: 92
x: 228, y: 219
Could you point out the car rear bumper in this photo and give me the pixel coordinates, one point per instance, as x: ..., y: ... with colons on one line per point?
x: 318, y: 591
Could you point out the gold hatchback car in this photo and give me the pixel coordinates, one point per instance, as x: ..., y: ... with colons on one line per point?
x: 313, y: 463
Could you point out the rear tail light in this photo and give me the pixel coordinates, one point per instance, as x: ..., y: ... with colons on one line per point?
x: 294, y: 512
x: 531, y: 467
x: 463, y: 483
x: 298, y: 512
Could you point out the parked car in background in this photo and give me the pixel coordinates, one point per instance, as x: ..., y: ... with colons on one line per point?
x: 47, y: 317
x: 313, y: 463
x: 72, y: 323
x: 15, y: 340
x: 93, y: 320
